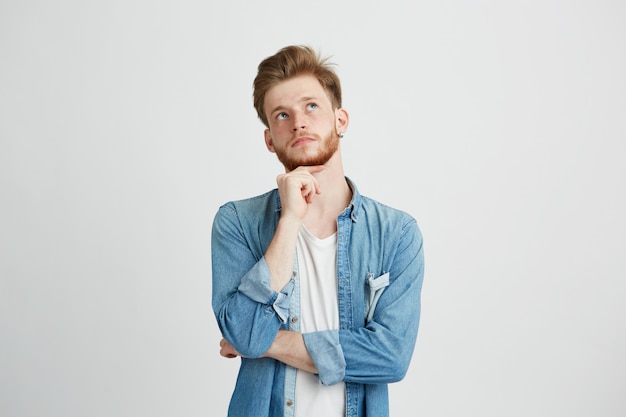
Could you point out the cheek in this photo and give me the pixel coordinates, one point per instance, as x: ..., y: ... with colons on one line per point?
x: 279, y: 132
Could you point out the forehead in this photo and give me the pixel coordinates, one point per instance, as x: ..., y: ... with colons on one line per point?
x: 294, y: 90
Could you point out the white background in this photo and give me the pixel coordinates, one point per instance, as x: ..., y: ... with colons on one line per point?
x: 500, y: 125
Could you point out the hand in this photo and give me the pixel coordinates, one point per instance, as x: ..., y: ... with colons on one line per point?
x: 297, y: 190
x: 227, y: 350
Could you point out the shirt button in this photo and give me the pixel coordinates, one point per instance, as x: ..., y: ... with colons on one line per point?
x: 294, y: 319
x: 289, y: 403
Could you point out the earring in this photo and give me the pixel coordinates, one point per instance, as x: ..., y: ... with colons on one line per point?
x: 340, y: 135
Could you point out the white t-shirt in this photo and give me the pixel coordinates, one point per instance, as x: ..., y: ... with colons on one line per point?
x: 317, y: 268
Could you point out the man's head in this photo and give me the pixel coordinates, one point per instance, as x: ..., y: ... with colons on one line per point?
x: 287, y: 63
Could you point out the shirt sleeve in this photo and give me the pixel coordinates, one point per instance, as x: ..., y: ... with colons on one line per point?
x: 256, y: 286
x: 327, y: 354
x: 380, y: 350
x: 248, y: 312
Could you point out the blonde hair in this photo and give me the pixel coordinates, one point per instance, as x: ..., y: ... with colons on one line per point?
x: 289, y: 62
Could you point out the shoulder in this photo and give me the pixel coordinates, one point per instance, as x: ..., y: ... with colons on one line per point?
x: 372, y: 207
x: 252, y: 205
x: 372, y: 213
x: 390, y: 223
x: 247, y: 217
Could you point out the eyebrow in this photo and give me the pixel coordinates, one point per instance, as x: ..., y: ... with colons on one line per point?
x: 303, y: 99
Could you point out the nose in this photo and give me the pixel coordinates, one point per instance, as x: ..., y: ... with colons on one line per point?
x: 299, y: 121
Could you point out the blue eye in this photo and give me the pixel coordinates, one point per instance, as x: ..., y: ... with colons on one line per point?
x: 311, y: 106
x: 281, y: 116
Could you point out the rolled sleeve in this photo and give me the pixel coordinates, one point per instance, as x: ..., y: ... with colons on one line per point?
x: 327, y: 355
x: 256, y: 285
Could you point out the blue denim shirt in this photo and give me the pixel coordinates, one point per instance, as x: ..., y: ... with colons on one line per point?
x: 380, y: 268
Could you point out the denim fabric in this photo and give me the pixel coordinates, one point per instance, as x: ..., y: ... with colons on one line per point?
x: 380, y: 269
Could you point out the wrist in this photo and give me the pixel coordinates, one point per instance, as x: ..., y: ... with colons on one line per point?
x: 275, y: 348
x: 290, y: 221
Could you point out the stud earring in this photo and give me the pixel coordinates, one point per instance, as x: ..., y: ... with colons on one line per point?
x: 340, y: 135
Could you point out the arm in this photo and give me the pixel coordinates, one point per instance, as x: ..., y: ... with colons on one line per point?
x: 297, y: 190
x: 250, y: 295
x: 288, y: 347
x: 379, y: 351
x: 248, y: 311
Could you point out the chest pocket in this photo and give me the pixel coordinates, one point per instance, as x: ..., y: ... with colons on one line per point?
x: 376, y: 286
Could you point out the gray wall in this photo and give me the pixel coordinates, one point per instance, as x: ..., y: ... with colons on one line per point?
x: 499, y: 125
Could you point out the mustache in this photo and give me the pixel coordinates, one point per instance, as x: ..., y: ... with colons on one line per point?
x: 305, y: 133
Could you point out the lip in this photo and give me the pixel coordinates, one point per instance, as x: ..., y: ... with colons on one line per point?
x: 302, y: 140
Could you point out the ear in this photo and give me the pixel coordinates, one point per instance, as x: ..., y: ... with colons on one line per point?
x: 342, y: 120
x: 269, y: 142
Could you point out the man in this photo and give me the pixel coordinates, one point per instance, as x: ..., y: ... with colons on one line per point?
x: 316, y: 287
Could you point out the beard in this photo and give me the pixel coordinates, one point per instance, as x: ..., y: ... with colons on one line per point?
x: 328, y: 148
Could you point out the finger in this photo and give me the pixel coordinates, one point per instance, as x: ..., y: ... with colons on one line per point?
x: 227, y: 353
x: 308, y: 191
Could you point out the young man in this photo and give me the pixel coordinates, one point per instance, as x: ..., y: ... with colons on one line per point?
x: 316, y: 287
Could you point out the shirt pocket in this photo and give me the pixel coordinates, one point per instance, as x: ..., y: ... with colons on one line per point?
x: 376, y: 286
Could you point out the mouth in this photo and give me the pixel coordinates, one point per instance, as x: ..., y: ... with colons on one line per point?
x: 302, y: 140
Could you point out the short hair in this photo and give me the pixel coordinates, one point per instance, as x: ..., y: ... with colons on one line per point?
x: 289, y: 62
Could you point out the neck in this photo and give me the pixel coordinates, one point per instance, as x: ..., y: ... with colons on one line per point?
x: 321, y: 217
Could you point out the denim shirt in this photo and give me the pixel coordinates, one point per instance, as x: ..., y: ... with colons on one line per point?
x: 380, y: 269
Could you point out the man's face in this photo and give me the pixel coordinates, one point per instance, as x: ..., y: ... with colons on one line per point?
x: 302, y: 123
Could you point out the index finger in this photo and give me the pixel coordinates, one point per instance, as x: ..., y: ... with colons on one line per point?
x: 311, y: 169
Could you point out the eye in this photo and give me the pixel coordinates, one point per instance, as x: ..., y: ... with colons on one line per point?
x: 281, y: 116
x: 311, y: 106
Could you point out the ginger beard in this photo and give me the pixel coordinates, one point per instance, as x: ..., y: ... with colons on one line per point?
x: 327, y: 149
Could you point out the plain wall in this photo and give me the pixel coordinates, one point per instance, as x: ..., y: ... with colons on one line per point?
x: 501, y: 126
